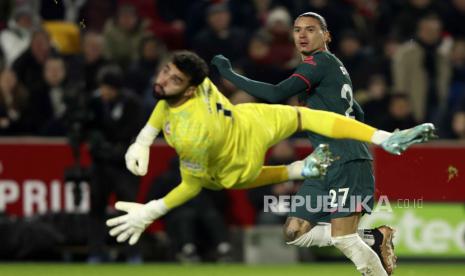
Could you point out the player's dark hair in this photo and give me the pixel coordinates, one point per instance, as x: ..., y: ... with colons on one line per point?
x: 321, y: 19
x: 192, y: 65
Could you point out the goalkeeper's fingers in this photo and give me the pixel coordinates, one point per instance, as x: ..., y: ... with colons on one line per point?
x: 118, y: 229
x: 131, y: 165
x: 135, y: 237
x: 117, y: 221
x: 141, y: 167
x: 126, y: 206
x: 125, y: 235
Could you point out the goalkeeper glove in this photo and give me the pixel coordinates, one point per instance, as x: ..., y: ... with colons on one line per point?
x: 137, y: 155
x: 139, y: 216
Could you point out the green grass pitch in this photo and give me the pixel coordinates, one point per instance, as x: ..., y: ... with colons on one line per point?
x: 51, y: 269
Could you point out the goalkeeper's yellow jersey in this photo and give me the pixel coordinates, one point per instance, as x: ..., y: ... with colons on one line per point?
x: 210, y: 138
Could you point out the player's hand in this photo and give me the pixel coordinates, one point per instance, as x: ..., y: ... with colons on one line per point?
x: 137, y: 158
x: 221, y: 62
x: 132, y: 225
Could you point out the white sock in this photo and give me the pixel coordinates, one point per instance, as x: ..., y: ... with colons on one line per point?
x: 319, y: 235
x: 294, y: 170
x: 367, y: 236
x: 380, y: 136
x: 364, y: 258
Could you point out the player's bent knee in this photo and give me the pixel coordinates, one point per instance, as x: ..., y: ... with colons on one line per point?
x: 318, y: 235
x: 294, y: 228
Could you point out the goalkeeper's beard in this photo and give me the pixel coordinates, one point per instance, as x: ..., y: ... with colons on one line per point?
x: 160, y: 94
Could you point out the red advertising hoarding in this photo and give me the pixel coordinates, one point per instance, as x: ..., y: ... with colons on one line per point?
x: 32, y: 175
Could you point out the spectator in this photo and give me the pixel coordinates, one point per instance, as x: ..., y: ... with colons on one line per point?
x: 17, y: 37
x: 151, y: 52
x: 13, y: 105
x: 382, y: 62
x: 399, y: 114
x: 48, y: 102
x: 219, y: 37
x: 92, y: 59
x: 123, y: 36
x: 375, y: 105
x: 64, y: 10
x: 457, y: 85
x: 96, y: 13
x: 422, y: 71
x: 117, y: 119
x: 6, y: 8
x: 452, y: 123
x: 257, y: 65
x: 411, y: 12
x: 278, y: 27
x: 454, y: 19
x: 354, y: 58
x: 251, y: 15
x: 458, y: 125
x: 168, y: 20
x: 29, y: 66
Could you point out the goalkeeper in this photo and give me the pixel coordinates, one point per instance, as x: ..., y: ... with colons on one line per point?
x: 223, y: 146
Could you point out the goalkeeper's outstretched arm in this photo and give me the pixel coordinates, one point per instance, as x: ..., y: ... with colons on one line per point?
x: 137, y: 155
x: 139, y: 216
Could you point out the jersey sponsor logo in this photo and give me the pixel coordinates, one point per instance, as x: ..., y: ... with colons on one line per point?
x: 167, y: 128
x: 191, y: 165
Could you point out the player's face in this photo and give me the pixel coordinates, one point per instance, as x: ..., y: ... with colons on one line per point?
x: 170, y: 83
x: 308, y: 35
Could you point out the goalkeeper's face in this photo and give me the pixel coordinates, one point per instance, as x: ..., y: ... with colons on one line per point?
x: 171, y: 83
x: 309, y: 36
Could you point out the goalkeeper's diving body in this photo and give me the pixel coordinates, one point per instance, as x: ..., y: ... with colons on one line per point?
x: 221, y: 145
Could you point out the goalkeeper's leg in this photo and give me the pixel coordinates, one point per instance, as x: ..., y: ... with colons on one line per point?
x: 275, y: 174
x: 337, y: 126
x: 314, y: 166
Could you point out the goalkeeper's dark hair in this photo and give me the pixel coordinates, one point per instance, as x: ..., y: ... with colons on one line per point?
x: 192, y: 65
x: 321, y: 19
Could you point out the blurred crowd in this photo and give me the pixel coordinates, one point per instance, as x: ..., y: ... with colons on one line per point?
x: 406, y: 58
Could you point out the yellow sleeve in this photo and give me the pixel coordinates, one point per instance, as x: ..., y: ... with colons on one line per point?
x: 187, y: 189
x: 157, y: 116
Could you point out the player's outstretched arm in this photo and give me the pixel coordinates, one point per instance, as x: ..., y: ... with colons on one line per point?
x: 139, y: 216
x: 269, y: 92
